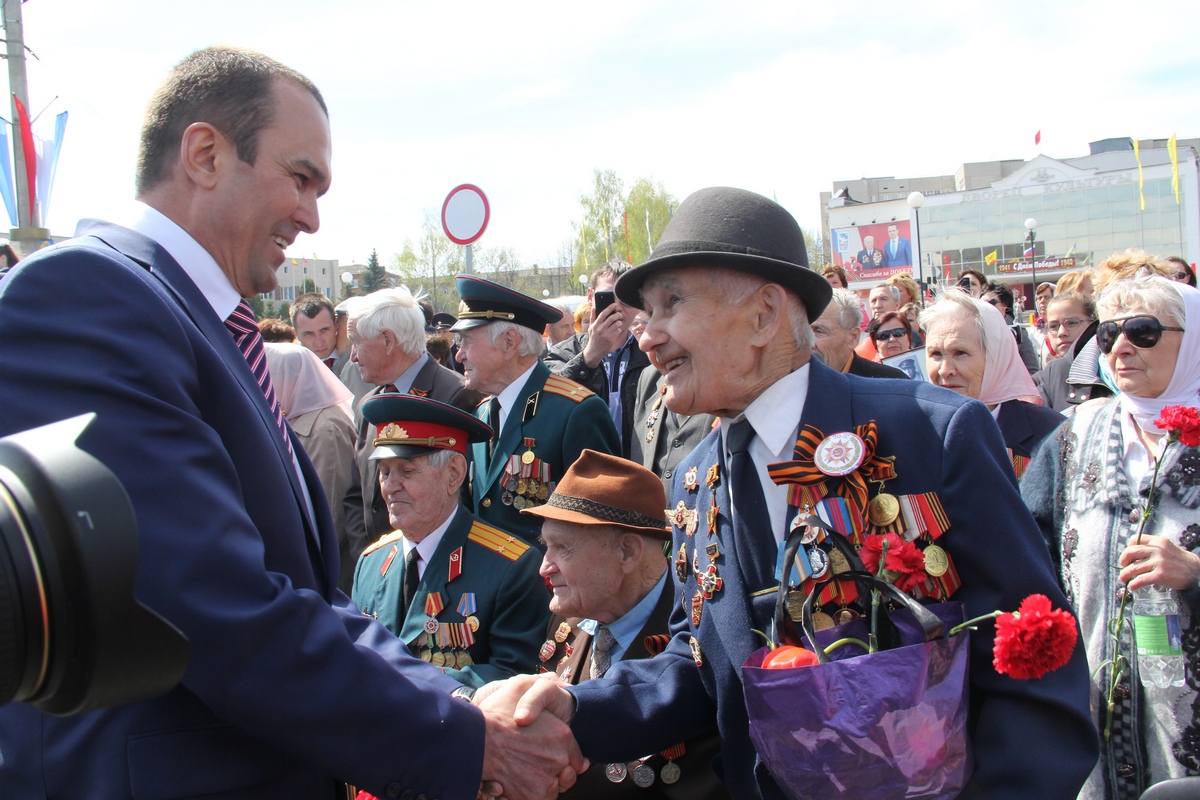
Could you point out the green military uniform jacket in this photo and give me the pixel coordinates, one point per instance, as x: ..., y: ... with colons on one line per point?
x: 511, y: 604
x: 562, y: 419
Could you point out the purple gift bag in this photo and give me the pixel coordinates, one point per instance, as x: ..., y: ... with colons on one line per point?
x: 883, y: 725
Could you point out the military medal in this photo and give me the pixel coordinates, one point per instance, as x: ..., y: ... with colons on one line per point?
x: 839, y: 454
x: 937, y: 563
x: 506, y: 498
x: 473, y: 623
x: 652, y: 419
x: 615, y: 772
x: 438, y: 660
x: 679, y: 515
x: 518, y: 502
x: 510, y: 483
x: 845, y: 615
x: 795, y: 605
x: 712, y: 551
x: 693, y: 522
x: 543, y: 493
x: 431, y: 626
x: 711, y: 582
x: 643, y: 775
x: 564, y: 630
x: 670, y: 772
x: 681, y: 563
x: 838, y: 562
x: 694, y: 645
x: 819, y: 562
x: 883, y: 509
x: 466, y: 606
x: 522, y: 486
x: 712, y: 476
x: 527, y: 457
x: 697, y: 607
x: 426, y: 654
x: 691, y: 479
x: 547, y: 651
x: 465, y: 660
x: 713, y: 511
x: 821, y: 621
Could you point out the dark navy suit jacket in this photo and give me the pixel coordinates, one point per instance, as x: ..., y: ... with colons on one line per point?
x: 1030, y: 738
x: 289, y: 687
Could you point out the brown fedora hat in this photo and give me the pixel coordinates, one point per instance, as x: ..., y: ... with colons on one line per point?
x: 738, y: 230
x: 600, y: 489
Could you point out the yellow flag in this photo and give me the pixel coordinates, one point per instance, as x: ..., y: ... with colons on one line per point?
x: 1138, y: 155
x: 990, y: 258
x: 1173, y: 149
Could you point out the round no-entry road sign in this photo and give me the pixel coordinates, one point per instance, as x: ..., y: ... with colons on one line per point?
x: 465, y: 214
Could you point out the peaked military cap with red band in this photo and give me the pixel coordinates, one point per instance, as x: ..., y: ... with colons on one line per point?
x: 489, y: 302
x: 408, y: 426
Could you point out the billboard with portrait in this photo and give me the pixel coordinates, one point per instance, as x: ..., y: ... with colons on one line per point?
x: 874, y: 252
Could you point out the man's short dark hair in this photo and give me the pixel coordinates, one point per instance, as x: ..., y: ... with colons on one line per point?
x: 616, y: 268
x: 227, y: 87
x: 1002, y: 292
x: 310, y: 304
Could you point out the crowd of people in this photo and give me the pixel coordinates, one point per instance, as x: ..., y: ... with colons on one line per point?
x: 515, y: 549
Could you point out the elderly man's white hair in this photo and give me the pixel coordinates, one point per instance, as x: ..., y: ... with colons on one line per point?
x: 532, y: 343
x: 848, y: 307
x: 394, y: 310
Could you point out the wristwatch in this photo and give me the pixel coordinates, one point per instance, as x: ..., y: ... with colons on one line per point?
x: 464, y: 693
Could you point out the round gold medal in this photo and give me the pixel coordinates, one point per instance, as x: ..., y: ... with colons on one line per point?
x: 473, y: 622
x: 518, y: 502
x: 937, y: 563
x: 522, y: 486
x: 883, y: 509
x: 821, y: 621
x: 670, y: 772
x: 527, y: 457
x: 438, y: 659
x: 465, y: 660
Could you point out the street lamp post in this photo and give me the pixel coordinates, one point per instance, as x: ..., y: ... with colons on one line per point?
x: 1030, y: 224
x: 347, y: 279
x: 915, y: 201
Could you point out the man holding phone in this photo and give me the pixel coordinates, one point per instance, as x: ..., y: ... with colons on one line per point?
x: 606, y: 359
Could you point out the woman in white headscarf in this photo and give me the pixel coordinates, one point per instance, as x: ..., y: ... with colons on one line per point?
x: 970, y: 349
x: 318, y: 407
x: 1088, y: 488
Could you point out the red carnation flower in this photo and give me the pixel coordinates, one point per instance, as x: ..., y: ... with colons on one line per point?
x: 1033, y: 640
x: 905, y: 565
x: 1182, y: 423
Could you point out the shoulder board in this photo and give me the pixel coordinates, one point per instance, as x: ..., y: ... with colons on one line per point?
x: 557, y: 384
x: 497, y: 541
x: 394, y: 536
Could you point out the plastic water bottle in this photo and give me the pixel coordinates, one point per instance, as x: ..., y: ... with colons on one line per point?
x: 1157, y: 636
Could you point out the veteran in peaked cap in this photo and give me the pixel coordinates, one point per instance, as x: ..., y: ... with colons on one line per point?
x: 542, y: 421
x: 462, y: 594
x: 487, y: 302
x: 738, y: 230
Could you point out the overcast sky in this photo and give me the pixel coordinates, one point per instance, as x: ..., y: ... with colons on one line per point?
x: 525, y: 99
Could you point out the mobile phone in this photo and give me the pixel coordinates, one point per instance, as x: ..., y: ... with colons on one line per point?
x: 603, y: 300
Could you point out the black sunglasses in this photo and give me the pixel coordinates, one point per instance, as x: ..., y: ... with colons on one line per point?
x: 1142, y: 331
x: 891, y: 333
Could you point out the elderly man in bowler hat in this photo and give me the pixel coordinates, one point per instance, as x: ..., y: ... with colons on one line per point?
x: 734, y: 256
x: 604, y: 530
x: 542, y: 421
x: 462, y: 594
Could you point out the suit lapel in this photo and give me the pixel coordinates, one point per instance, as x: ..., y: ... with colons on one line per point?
x: 422, y: 383
x: 162, y: 266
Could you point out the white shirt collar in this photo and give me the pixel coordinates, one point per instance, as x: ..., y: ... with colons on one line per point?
x: 429, y: 545
x: 197, y: 262
x: 510, y: 394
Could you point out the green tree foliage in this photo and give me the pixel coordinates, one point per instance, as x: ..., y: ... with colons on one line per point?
x: 430, y: 265
x: 309, y: 285
x: 375, y: 277
x: 614, y: 223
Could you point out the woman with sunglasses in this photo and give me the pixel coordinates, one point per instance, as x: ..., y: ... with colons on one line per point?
x: 1068, y: 379
x: 970, y: 349
x: 891, y: 334
x: 1088, y: 489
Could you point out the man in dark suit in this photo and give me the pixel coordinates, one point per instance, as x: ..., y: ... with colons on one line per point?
x: 316, y: 326
x: 836, y: 332
x: 387, y: 332
x: 605, y: 530
x: 289, y: 689
x: 661, y: 438
x: 897, y: 252
x: 606, y: 359
x: 460, y: 593
x: 740, y: 258
x: 870, y: 256
x: 542, y: 421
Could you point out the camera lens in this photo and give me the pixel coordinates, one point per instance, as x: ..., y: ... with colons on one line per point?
x: 72, y: 636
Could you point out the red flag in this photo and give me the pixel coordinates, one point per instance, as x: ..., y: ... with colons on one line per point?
x: 30, y: 159
x: 1037, y: 138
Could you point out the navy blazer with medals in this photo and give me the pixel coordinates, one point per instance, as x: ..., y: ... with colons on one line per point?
x: 289, y: 687
x: 1030, y: 738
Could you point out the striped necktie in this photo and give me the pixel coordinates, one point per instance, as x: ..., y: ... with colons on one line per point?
x: 244, y: 328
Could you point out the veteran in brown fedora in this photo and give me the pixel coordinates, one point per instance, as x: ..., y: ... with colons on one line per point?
x: 604, y: 530
x: 729, y: 299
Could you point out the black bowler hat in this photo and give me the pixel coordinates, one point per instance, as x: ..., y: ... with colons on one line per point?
x: 407, y: 425
x: 490, y: 302
x: 738, y: 230
x: 442, y: 320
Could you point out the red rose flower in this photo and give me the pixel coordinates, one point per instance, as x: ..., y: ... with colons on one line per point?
x: 905, y: 565
x: 1182, y: 423
x: 1033, y: 640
